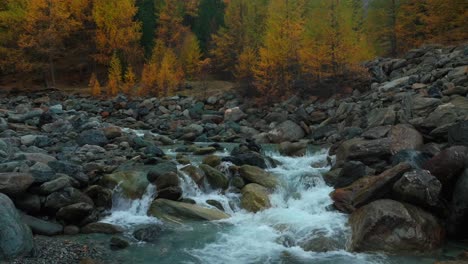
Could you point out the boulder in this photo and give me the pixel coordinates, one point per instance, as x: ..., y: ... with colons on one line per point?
x: 148, y: 234
x: 415, y: 158
x: 161, y: 169
x: 458, y: 134
x: 112, y: 132
x: 204, y: 151
x: 15, y: 236
x: 458, y: 215
x: 29, y: 203
x: 174, y: 211
x: 418, y: 187
x: 234, y: 114
x: 117, y: 243
x: 293, y: 149
x: 381, y: 117
x: 367, y: 151
x: 394, y: 227
x: 74, y: 213
x: 102, y: 197
x: 132, y: 183
x: 367, y: 189
x: 166, y: 180
x: 447, y: 165
x: 195, y: 173
x: 212, y: 160
x: 65, y: 197
x: 92, y: 137
x: 351, y: 171
x: 405, y: 137
x: 173, y: 193
x: 101, y: 228
x: 215, y: 177
x: 42, y: 227
x: 14, y: 183
x: 286, y: 131
x: 247, y: 158
x: 255, y: 198
x: 257, y: 175
x: 55, y: 185
x: 395, y: 83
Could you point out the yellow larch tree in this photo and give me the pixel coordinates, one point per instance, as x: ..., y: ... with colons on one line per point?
x: 115, y: 76
x: 190, y: 56
x: 94, y: 85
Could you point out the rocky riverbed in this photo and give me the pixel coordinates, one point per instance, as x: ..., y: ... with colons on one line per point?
x: 397, y: 160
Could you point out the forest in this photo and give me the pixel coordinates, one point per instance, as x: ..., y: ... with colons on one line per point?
x: 270, y: 48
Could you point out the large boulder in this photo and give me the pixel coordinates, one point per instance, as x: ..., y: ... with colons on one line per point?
x: 286, y: 131
x: 257, y: 175
x: 173, y: 211
x: 42, y: 227
x: 65, y: 197
x: 15, y: 236
x: 195, y: 173
x: 160, y: 170
x: 394, y: 227
x: 380, y: 117
x: 459, y: 208
x: 367, y: 189
x: 13, y: 183
x: 132, y: 183
x: 458, y: 134
x: 367, y: 151
x: 351, y: 172
x: 216, y: 178
x: 447, y: 165
x: 247, y: 158
x: 74, y: 213
x: 415, y: 158
x: 234, y: 114
x: 255, y: 198
x: 293, y: 149
x: 418, y: 187
x: 405, y: 137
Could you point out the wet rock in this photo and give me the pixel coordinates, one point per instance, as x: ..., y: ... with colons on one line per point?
x: 102, y: 228
x: 418, y: 187
x: 255, y: 198
x: 195, y: 173
x: 352, y: 171
x: 102, y: 197
x: 74, y: 213
x: 367, y: 151
x: 394, y: 227
x: 293, y: 149
x: 173, y: 193
x: 67, y: 196
x: 171, y: 211
x: 92, y: 137
x: 12, y: 183
x: 215, y: 177
x: 160, y: 170
x: 117, y: 243
x: 15, y: 236
x: 238, y: 182
x: 204, y: 151
x: 153, y: 151
x: 148, y: 234
x: 447, y: 165
x: 367, y: 189
x: 286, y: 131
x: 132, y: 183
x: 212, y: 160
x: 247, y: 158
x: 257, y: 175
x: 42, y: 227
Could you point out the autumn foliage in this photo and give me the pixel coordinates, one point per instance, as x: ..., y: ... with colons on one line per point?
x: 272, y: 47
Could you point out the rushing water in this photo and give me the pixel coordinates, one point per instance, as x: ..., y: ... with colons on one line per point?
x: 300, y: 227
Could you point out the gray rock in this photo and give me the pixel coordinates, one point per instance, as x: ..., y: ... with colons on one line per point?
x: 92, y: 137
x: 117, y: 243
x: 101, y: 228
x: 74, y: 213
x: 458, y: 134
x: 160, y: 170
x: 65, y: 197
x: 459, y: 208
x: 234, y: 114
x: 15, y: 236
x: 42, y: 227
x: 55, y: 185
x: 148, y: 234
x: 418, y: 187
x: 12, y: 183
x: 381, y: 117
x: 286, y: 131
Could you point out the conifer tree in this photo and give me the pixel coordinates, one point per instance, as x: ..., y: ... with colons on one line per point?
x: 129, y: 81
x: 115, y: 76
x: 94, y: 85
x: 190, y: 56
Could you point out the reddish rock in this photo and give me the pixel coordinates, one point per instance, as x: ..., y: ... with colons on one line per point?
x: 448, y: 165
x: 367, y: 189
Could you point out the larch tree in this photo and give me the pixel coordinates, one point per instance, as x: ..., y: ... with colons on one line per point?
x: 116, y: 30
x: 447, y: 20
x: 171, y: 74
x: 94, y: 85
x: 129, y: 81
x: 279, y: 64
x: 48, y: 24
x: 114, y: 82
x: 190, y: 56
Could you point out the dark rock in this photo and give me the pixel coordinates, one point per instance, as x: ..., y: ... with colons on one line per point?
x: 215, y: 204
x: 178, y: 211
x: 160, y: 170
x: 459, y: 209
x: 153, y: 151
x: 117, y: 243
x: 405, y: 137
x: 352, y: 171
x: 447, y: 165
x: 92, y: 137
x: 70, y: 169
x: 238, y: 182
x: 42, y: 227
x: 41, y: 172
x: 15, y: 236
x: 293, y: 148
x: 418, y: 187
x: 367, y: 151
x: 29, y: 203
x: 248, y: 158
x: 173, y: 193
x: 458, y: 134
x: 112, y: 132
x: 102, y: 228
x: 195, y: 173
x: 55, y: 185
x: 74, y: 213
x: 166, y: 180
x: 212, y: 160
x: 102, y: 197
x: 71, y: 230
x: 13, y: 183
x: 367, y: 189
x: 148, y: 234
x: 65, y: 197
x: 394, y: 227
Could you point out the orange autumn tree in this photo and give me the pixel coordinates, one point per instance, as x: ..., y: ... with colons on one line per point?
x: 48, y: 25
x: 114, y: 82
x: 190, y: 56
x: 170, y: 75
x: 116, y: 30
x: 94, y: 85
x: 446, y: 20
x: 279, y: 64
x: 129, y: 81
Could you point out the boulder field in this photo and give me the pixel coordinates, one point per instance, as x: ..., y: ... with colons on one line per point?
x: 398, y: 155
